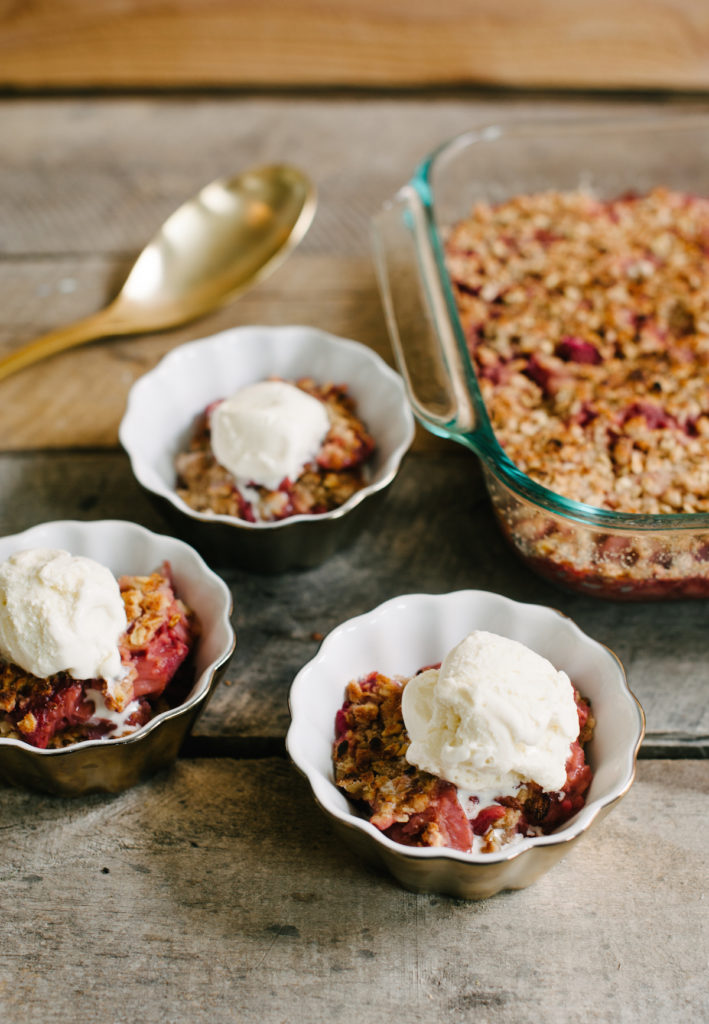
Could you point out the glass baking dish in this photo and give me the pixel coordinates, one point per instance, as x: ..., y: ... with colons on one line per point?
x: 580, y: 546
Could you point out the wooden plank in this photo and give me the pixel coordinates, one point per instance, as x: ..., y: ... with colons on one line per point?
x: 96, y: 178
x: 610, y: 44
x: 217, y: 893
x: 435, y: 533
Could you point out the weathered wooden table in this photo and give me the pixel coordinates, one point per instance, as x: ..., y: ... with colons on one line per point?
x: 215, y: 892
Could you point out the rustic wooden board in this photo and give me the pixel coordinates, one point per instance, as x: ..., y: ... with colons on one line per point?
x: 611, y: 44
x: 216, y: 893
x: 435, y: 533
x: 85, y: 183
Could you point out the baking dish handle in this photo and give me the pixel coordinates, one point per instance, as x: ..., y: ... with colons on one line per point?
x: 416, y: 310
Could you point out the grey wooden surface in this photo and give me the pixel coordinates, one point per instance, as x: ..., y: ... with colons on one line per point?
x: 215, y: 892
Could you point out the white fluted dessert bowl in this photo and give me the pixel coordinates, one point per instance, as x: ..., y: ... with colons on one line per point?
x: 163, y: 406
x: 400, y: 637
x: 112, y: 765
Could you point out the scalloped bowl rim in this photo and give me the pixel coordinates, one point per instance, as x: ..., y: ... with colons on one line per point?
x: 172, y: 363
x: 335, y: 804
x: 202, y: 683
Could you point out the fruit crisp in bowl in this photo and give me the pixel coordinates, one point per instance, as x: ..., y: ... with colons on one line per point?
x: 110, y: 675
x: 467, y: 788
x: 274, y: 450
x: 415, y: 741
x: 83, y: 656
x: 290, y: 489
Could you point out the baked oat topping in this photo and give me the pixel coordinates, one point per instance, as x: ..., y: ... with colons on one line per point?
x: 370, y: 752
x: 337, y: 473
x: 150, y: 604
x: 588, y: 323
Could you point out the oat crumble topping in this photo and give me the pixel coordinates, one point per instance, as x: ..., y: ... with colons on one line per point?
x: 588, y: 323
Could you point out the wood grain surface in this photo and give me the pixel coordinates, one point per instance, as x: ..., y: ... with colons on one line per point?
x: 608, y: 44
x: 84, y: 181
x: 216, y: 893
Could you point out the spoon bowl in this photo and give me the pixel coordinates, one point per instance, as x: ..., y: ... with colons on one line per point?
x: 230, y: 235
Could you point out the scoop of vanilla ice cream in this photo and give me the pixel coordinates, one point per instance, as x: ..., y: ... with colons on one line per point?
x: 60, y: 613
x: 495, y: 714
x: 268, y: 431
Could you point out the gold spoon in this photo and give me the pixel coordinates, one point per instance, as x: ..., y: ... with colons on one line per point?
x: 230, y: 235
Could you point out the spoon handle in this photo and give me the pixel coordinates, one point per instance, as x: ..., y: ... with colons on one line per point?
x: 98, y: 325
